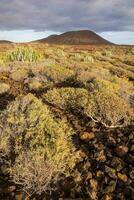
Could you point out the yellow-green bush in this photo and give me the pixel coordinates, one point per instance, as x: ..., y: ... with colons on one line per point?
x: 103, y: 105
x: 109, y: 109
x: 41, y: 146
x: 19, y: 74
x: 35, y: 84
x: 4, y: 88
x: 57, y: 73
x: 105, y: 85
x: 3, y: 59
x: 24, y: 54
x: 82, y: 57
x: 66, y: 98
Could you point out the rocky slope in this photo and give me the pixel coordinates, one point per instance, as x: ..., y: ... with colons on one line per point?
x: 82, y: 37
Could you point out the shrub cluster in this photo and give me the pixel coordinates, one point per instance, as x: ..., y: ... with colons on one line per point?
x: 102, y: 105
x: 40, y: 148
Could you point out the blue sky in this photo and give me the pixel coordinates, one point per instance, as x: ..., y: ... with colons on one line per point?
x: 26, y: 20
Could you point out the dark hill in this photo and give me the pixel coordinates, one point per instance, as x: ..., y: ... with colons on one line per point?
x: 83, y: 37
x: 5, y: 42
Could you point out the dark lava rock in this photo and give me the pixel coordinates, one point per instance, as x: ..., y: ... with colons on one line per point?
x: 111, y: 172
x: 99, y: 174
x: 117, y: 163
x: 130, y: 159
x: 123, y: 177
x: 131, y: 173
x: 111, y: 187
x: 94, y: 184
x: 111, y: 141
x: 132, y: 149
x: 87, y: 136
x: 121, y: 150
x: 11, y: 188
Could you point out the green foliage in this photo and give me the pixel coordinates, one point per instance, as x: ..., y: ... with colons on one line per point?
x: 104, y: 85
x: 24, y: 54
x: 103, y: 105
x: 42, y: 146
x: 57, y: 73
x: 109, y: 109
x: 34, y: 84
x: 82, y: 57
x: 3, y: 60
x: 19, y: 74
x: 132, y: 51
x: 67, y: 98
x: 88, y: 59
x: 107, y: 53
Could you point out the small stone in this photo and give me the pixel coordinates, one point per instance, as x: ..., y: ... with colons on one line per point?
x: 107, y: 197
x: 93, y: 184
x: 132, y: 149
x: 131, y: 173
x: 77, y: 176
x: 131, y: 136
x: 101, y: 156
x: 130, y: 158
x: 19, y: 196
x: 117, y: 163
x: 123, y: 177
x: 87, y: 136
x: 99, y: 174
x: 4, y: 169
x: 11, y: 188
x: 12, y: 194
x: 121, y: 150
x: 111, y: 141
x: 111, y: 187
x: 129, y: 192
x: 83, y: 154
x: 87, y: 165
x: 121, y: 196
x: 89, y: 175
x: 93, y: 195
x: 111, y: 172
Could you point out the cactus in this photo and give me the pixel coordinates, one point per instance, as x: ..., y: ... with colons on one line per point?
x: 24, y: 54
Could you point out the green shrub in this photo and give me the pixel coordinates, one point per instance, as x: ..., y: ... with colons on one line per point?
x: 19, y: 74
x: 107, y: 53
x: 4, y: 88
x: 105, y: 85
x: 35, y: 84
x: 41, y: 146
x: 3, y: 59
x: 2, y: 63
x: 132, y: 50
x: 24, y: 54
x: 103, y: 105
x: 82, y: 57
x: 109, y: 109
x: 67, y: 98
x: 88, y: 59
x: 57, y: 73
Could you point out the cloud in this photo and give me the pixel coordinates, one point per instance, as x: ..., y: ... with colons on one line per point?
x: 60, y: 15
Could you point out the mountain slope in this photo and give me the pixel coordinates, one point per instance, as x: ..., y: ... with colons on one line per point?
x: 5, y: 42
x: 82, y: 37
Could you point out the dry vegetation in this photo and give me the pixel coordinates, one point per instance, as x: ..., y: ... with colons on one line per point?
x: 67, y: 122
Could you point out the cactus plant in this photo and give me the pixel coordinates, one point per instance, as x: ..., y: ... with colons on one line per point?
x: 24, y: 54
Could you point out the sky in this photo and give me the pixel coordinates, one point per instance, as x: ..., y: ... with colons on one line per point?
x: 27, y: 20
